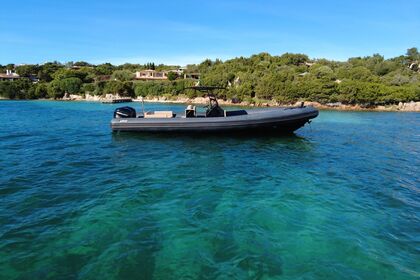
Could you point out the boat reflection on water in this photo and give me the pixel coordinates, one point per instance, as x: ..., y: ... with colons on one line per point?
x: 267, y: 140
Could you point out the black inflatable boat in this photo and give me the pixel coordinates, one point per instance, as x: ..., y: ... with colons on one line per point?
x: 214, y: 119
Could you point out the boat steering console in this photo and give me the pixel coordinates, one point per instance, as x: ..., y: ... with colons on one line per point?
x: 212, y: 109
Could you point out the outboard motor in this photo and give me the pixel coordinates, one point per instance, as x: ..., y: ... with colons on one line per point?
x: 125, y: 112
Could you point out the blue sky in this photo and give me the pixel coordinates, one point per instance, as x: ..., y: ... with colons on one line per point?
x: 182, y: 32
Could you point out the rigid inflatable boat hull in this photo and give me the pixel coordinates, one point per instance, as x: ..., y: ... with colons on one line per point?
x: 276, y: 119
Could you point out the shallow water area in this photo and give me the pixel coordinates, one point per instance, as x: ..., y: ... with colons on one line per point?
x: 340, y: 199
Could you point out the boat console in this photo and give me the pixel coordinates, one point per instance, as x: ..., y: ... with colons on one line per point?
x: 213, y: 108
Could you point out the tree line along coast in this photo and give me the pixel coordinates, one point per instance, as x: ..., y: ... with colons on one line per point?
x: 259, y: 79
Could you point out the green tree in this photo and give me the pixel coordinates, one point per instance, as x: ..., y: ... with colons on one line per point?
x: 151, y: 88
x: 105, y: 69
x: 70, y: 85
x: 27, y: 70
x: 361, y: 73
x: 23, y: 89
x: 413, y: 54
x: 268, y: 86
x: 293, y: 59
x: 55, y: 90
x: 46, y: 71
x: 41, y: 90
x: 122, y: 75
x: 82, y: 64
x: 323, y: 72
x: 150, y: 65
x: 117, y: 87
x: 172, y: 76
x: 383, y: 68
x: 88, y: 88
x: 7, y: 89
x: 84, y: 74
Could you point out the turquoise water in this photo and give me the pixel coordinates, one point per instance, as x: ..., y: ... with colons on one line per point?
x: 339, y: 200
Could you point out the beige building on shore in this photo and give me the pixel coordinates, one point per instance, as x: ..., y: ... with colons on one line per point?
x: 9, y: 76
x: 150, y: 75
x: 163, y: 75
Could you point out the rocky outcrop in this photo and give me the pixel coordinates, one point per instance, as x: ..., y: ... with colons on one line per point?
x: 403, y: 107
x: 410, y: 106
x: 94, y: 98
x: 76, y: 97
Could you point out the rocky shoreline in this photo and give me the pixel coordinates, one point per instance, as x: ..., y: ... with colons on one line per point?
x: 401, y: 107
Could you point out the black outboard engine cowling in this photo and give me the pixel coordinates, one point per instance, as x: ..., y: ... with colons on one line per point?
x: 125, y: 112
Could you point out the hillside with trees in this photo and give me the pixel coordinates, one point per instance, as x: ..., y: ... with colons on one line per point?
x: 288, y: 78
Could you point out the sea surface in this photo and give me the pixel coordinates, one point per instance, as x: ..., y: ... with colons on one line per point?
x: 340, y: 199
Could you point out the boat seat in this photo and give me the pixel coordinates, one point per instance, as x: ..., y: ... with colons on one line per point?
x: 190, y: 111
x: 236, y: 113
x: 158, y: 114
x: 215, y: 112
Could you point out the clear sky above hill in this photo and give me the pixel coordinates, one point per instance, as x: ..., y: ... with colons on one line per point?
x: 181, y: 32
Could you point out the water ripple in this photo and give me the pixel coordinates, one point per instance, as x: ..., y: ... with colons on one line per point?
x: 339, y: 200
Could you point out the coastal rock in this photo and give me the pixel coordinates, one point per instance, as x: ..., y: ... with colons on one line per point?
x: 89, y: 97
x: 409, y: 106
x: 334, y: 104
x: 76, y: 97
x: 111, y: 96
